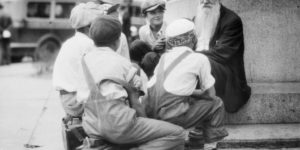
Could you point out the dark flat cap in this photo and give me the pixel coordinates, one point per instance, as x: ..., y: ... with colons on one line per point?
x: 105, y: 30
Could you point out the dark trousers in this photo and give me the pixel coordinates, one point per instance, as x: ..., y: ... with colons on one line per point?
x: 206, y: 115
x: 5, y: 52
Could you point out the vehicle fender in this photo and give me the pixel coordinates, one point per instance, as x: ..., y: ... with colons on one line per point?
x: 39, y: 51
x: 46, y: 37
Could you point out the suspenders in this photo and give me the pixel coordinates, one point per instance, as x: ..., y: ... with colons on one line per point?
x: 92, y: 83
x: 173, y: 64
x: 88, y: 77
x: 94, y: 88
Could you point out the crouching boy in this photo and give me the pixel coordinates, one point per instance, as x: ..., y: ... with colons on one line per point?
x: 172, y: 93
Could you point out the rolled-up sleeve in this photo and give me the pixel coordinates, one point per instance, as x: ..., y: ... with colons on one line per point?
x: 206, y: 79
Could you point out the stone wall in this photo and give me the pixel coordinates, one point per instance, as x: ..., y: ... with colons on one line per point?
x: 272, y: 36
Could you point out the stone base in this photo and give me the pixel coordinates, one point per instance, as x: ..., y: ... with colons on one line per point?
x: 261, y: 136
x: 270, y: 103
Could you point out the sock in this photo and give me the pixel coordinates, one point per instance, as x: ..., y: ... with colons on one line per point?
x: 210, y: 146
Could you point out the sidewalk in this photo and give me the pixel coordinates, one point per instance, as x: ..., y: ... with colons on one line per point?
x: 23, y: 97
x: 28, y: 103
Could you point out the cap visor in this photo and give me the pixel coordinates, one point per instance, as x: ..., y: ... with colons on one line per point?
x: 154, y: 7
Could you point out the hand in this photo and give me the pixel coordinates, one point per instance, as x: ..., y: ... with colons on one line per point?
x: 159, y: 45
x: 136, y: 81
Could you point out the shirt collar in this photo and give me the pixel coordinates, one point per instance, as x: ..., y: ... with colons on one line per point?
x: 79, y: 34
x: 107, y: 49
x: 161, y: 30
x: 179, y: 49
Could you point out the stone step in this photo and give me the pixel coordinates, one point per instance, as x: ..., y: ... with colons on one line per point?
x: 261, y: 136
x: 270, y: 103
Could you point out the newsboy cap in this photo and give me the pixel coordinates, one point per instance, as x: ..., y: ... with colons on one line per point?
x: 105, y: 30
x: 84, y: 13
x: 150, y: 5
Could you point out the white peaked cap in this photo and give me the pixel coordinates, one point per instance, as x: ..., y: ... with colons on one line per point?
x: 179, y: 27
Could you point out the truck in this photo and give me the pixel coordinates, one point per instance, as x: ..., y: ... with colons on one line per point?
x: 41, y: 26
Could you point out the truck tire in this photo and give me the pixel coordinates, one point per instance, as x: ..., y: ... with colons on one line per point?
x: 47, y: 51
x: 45, y: 55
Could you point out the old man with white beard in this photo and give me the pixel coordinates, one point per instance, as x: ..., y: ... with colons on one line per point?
x: 220, y: 38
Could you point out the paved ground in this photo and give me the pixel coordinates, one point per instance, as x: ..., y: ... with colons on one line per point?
x: 30, y: 110
x: 28, y: 106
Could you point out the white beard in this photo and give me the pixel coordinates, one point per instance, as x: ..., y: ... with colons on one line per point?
x: 206, y: 22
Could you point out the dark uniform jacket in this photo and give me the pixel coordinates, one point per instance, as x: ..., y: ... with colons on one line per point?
x: 226, y: 55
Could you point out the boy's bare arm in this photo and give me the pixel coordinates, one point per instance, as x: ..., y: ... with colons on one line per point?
x: 133, y: 96
x: 209, y: 94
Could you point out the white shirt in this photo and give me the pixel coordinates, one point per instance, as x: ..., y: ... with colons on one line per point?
x: 182, y: 80
x: 67, y: 72
x: 67, y: 67
x: 123, y: 50
x: 103, y: 62
x: 147, y: 36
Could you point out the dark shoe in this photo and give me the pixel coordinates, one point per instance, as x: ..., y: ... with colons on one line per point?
x: 196, y: 139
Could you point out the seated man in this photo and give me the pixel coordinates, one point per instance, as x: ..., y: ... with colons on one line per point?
x: 171, y: 92
x: 107, y: 113
x: 221, y: 39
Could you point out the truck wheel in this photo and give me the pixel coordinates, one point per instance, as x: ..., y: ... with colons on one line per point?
x: 47, y: 51
x: 45, y: 55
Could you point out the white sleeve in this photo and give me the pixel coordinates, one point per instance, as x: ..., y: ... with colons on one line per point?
x: 205, y: 77
x: 123, y: 50
x: 111, y: 90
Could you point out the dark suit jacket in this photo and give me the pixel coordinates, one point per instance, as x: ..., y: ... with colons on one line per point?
x: 5, y: 22
x: 226, y: 55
